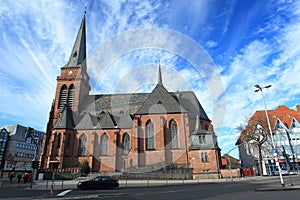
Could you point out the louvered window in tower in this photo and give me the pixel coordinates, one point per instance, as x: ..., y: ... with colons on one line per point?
x: 62, y: 97
x: 71, y: 94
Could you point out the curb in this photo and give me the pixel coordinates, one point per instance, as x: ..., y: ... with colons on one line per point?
x: 277, y: 189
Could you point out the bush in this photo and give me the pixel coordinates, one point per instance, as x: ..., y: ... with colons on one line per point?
x: 85, y: 168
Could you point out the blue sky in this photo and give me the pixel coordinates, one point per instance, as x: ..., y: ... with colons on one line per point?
x: 243, y: 42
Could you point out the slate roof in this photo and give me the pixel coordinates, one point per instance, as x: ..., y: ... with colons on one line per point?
x: 160, y: 101
x: 191, y: 104
x: 136, y: 103
x: 124, y: 120
x: 78, y: 54
x: 113, y: 103
x: 106, y: 121
x: 88, y: 122
x: 66, y: 120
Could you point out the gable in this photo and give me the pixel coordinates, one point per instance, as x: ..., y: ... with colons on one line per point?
x: 160, y: 101
x: 66, y: 120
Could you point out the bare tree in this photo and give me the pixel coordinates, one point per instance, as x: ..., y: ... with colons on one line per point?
x: 256, y: 135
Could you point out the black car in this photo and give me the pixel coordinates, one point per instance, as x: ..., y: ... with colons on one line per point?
x: 100, y: 182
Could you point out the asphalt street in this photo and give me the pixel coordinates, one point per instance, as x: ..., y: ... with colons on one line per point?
x: 247, y: 188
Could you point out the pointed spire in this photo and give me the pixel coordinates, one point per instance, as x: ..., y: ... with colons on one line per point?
x: 159, y: 74
x: 78, y: 54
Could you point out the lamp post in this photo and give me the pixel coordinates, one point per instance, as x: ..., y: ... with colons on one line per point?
x: 274, y: 150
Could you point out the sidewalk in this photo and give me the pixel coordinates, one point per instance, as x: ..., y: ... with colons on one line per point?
x: 72, y: 184
x: 6, y: 184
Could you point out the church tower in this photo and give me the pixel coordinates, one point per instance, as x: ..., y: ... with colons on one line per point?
x: 72, y: 87
x: 73, y: 82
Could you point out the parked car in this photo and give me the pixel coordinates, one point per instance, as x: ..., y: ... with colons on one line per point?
x: 100, y: 182
x: 284, y: 171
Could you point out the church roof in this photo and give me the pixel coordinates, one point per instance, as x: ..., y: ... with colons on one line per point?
x: 78, y: 54
x: 160, y: 101
x: 88, y: 121
x: 191, y: 104
x: 106, y: 120
x: 114, y: 103
x: 131, y: 103
x: 66, y: 120
x: 124, y: 120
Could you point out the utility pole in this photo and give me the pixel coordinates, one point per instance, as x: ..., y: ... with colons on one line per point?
x: 35, y: 163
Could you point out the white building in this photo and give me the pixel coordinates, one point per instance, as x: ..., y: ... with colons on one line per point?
x: 286, y: 134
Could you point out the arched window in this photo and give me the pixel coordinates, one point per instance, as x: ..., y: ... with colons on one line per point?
x: 54, y: 150
x: 126, y: 144
x: 104, y: 145
x: 149, y: 135
x: 82, y: 145
x: 62, y: 97
x: 71, y: 94
x: 173, y: 134
x: 58, y: 140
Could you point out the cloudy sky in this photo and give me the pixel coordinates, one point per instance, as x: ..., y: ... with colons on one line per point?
x: 219, y: 49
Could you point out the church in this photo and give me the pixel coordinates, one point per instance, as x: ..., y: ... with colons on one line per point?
x: 118, y: 132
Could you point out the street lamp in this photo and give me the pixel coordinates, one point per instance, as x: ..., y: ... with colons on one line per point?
x: 274, y: 150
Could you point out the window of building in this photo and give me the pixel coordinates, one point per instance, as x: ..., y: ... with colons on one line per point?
x: 67, y: 140
x: 202, y: 139
x: 126, y: 144
x: 82, y: 145
x: 173, y: 134
x: 58, y: 140
x: 62, y: 97
x: 204, y: 157
x: 71, y: 95
x: 104, y: 145
x: 149, y: 135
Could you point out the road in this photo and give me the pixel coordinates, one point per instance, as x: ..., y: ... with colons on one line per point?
x: 214, y: 190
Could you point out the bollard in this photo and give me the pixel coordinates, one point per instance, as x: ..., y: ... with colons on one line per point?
x: 62, y: 184
x: 47, y: 184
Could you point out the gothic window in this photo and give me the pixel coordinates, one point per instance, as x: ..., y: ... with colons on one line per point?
x: 104, y: 145
x: 173, y: 134
x: 82, y: 145
x: 204, y: 157
x: 62, y: 97
x: 53, y: 152
x: 71, y: 94
x: 126, y: 144
x: 149, y: 135
x: 58, y: 140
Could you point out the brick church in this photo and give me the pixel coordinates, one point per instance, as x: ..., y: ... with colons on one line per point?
x: 117, y: 132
